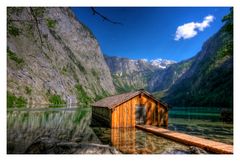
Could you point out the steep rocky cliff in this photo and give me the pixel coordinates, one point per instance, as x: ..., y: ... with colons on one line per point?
x: 52, y: 57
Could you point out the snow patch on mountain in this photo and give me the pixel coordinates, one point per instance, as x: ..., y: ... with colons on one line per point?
x: 161, y: 63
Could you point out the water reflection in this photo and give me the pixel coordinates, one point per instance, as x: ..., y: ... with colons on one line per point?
x: 65, y: 125
x: 73, y: 125
x: 204, y: 122
x: 200, y: 113
x: 134, y: 141
x: 124, y: 139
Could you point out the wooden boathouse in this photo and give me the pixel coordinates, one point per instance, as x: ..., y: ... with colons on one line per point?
x: 130, y: 109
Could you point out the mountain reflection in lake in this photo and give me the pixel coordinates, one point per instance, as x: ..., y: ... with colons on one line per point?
x: 64, y: 125
x: 62, y: 130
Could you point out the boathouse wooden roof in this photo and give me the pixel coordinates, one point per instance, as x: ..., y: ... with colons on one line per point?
x: 115, y: 100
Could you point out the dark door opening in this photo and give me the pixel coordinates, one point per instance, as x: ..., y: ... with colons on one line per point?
x: 140, y: 115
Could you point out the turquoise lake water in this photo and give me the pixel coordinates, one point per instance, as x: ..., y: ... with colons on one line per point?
x: 204, y: 122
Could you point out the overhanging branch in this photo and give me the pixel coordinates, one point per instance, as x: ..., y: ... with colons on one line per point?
x: 94, y: 12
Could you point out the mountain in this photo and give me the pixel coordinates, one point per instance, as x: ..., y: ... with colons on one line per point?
x: 209, y: 80
x: 162, y: 80
x: 129, y: 74
x: 203, y: 80
x: 52, y: 57
x: 161, y: 63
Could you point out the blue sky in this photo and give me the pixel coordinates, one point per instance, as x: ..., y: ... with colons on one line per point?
x: 150, y: 32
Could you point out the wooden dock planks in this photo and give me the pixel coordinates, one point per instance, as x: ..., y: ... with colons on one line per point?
x: 208, y: 145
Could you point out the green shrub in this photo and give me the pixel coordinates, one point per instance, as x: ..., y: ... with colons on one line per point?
x: 225, y: 50
x: 38, y: 11
x: 102, y: 95
x: 82, y: 95
x: 28, y: 90
x: 13, y: 30
x: 10, y: 100
x: 64, y: 70
x: 87, y: 29
x: 95, y: 73
x: 14, y: 101
x: 56, y: 100
x: 20, y: 101
x: 51, y: 23
x: 13, y: 56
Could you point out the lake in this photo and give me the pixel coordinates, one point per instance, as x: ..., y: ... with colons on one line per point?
x: 204, y: 122
x: 66, y: 127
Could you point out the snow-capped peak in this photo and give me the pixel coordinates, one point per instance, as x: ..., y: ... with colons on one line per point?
x: 161, y: 63
x: 144, y: 60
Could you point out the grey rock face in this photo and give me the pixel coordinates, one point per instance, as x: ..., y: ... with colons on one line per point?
x: 129, y: 74
x: 57, y: 53
x: 119, y: 65
x: 164, y: 79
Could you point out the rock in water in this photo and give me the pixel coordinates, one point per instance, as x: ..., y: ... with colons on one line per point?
x: 196, y: 150
x: 191, y: 150
x: 47, y: 145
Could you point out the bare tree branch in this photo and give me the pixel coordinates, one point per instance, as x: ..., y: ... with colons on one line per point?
x: 104, y: 17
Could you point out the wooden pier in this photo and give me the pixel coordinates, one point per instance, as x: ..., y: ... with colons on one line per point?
x: 208, y: 145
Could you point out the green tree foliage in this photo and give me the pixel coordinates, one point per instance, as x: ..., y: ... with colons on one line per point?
x: 38, y: 11
x: 28, y: 90
x: 13, y: 30
x: 14, y: 101
x: 227, y: 48
x: 82, y: 95
x: 228, y: 19
x: 101, y: 96
x: 13, y: 56
x: 51, y: 23
x: 56, y: 100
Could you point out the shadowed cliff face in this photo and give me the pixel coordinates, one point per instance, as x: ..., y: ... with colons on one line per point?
x: 50, y: 53
x: 209, y: 80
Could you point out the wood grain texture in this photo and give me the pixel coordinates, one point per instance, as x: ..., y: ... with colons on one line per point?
x: 124, y: 115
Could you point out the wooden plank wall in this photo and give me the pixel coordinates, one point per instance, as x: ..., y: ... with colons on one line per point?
x: 102, y: 114
x: 124, y: 114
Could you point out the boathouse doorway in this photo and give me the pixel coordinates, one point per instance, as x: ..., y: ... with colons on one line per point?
x: 140, y: 115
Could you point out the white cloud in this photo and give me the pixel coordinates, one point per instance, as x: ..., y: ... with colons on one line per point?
x: 190, y: 29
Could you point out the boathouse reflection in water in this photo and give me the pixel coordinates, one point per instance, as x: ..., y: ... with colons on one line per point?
x: 134, y: 141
